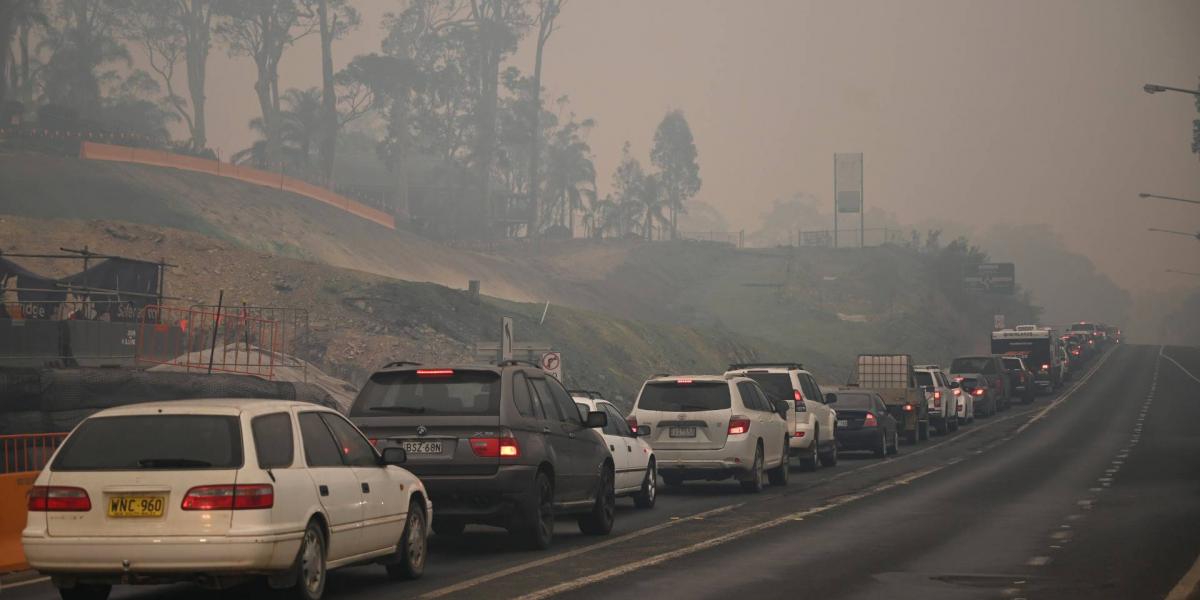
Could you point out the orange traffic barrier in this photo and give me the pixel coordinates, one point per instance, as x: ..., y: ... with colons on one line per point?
x: 159, y: 158
x: 21, y: 458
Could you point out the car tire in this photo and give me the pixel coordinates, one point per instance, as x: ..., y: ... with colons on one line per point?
x: 536, y: 527
x: 754, y: 484
x: 85, y: 592
x: 310, y: 568
x: 881, y: 449
x: 648, y: 495
x: 448, y: 527
x: 412, y: 549
x: 923, y: 431
x: 830, y: 458
x: 599, y: 521
x: 895, y: 443
x: 811, y: 460
x: 779, y: 475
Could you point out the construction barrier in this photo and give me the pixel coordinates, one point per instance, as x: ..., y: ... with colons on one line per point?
x: 159, y: 158
x: 21, y: 458
x: 228, y: 340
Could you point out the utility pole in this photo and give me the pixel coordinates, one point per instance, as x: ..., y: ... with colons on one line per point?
x: 1160, y: 197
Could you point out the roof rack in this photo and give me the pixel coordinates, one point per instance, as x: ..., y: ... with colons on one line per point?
x: 401, y: 363
x: 513, y: 362
x: 658, y: 375
x: 790, y: 365
x: 592, y: 394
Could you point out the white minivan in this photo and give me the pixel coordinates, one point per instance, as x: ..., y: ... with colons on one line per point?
x: 713, y: 427
x: 212, y: 491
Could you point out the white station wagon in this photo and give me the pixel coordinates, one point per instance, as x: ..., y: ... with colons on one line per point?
x: 213, y: 491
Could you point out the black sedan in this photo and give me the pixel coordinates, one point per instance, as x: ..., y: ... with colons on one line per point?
x: 863, y: 422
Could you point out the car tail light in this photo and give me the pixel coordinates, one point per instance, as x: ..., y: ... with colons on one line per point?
x: 229, y: 497
x: 55, y: 498
x: 798, y: 395
x: 435, y: 372
x: 870, y: 420
x: 1045, y: 367
x: 496, y: 447
x: 738, y: 425
x: 978, y: 392
x: 957, y: 391
x: 800, y: 434
x: 683, y: 382
x: 908, y: 408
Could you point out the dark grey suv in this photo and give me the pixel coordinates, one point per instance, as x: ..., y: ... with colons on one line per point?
x: 500, y: 445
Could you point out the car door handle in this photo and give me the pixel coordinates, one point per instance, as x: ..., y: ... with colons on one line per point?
x: 366, y: 488
x: 324, y: 489
x: 612, y: 448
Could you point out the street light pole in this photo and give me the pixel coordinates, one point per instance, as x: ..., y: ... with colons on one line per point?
x: 1152, y: 88
x: 1191, y: 235
x: 1145, y: 195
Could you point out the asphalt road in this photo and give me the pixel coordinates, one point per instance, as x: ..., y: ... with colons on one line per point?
x: 1093, y: 493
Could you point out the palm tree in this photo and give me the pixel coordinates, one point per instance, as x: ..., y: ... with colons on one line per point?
x: 299, y: 125
x: 651, y: 201
x: 570, y: 179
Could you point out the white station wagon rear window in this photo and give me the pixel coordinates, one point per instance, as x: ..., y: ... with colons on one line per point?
x: 166, y: 442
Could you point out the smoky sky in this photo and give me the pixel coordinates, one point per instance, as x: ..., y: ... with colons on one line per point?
x: 969, y: 112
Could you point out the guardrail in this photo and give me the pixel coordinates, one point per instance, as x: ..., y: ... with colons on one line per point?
x: 21, y: 458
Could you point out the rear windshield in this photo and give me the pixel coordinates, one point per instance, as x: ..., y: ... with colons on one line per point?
x: 972, y: 364
x: 852, y: 401
x: 171, y: 442
x: 441, y: 392
x: 685, y: 397
x: 969, y: 383
x: 924, y: 378
x: 1011, y: 363
x: 776, y: 385
x: 1083, y: 327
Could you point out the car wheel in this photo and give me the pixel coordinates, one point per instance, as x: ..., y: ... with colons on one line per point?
x: 646, y: 497
x: 85, y: 592
x: 923, y: 431
x: 830, y: 458
x: 537, y: 527
x: 881, y: 448
x: 600, y: 520
x: 754, y: 484
x: 411, y: 551
x: 310, y: 564
x: 895, y: 442
x: 811, y: 459
x: 448, y: 527
x: 779, y: 475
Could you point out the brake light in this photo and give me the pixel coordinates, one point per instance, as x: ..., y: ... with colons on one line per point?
x: 683, y: 382
x: 978, y: 392
x: 738, y: 425
x: 229, y: 497
x: 496, y: 447
x: 54, y: 498
x: 798, y: 395
x: 908, y: 408
x: 957, y: 392
x: 800, y: 434
x: 1045, y: 367
x: 435, y: 372
x: 870, y: 420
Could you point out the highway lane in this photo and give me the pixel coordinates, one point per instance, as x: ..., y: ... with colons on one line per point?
x: 964, y: 501
x: 1085, y: 502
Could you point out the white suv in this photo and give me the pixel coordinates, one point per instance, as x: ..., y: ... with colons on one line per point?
x: 812, y: 424
x: 713, y: 427
x: 942, y: 402
x: 635, y: 470
x: 211, y: 491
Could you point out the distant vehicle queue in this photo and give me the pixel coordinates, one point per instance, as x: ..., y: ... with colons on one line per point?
x: 286, y: 491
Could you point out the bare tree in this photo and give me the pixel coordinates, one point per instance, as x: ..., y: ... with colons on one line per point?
x: 262, y: 30
x: 335, y: 18
x: 548, y: 11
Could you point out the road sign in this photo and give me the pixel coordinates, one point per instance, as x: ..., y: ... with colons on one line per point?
x: 848, y: 182
x: 552, y: 363
x: 506, y: 338
x: 992, y: 278
x: 998, y: 322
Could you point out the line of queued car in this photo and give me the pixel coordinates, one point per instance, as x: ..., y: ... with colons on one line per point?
x: 220, y: 491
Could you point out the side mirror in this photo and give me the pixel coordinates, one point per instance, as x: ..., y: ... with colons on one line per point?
x: 394, y: 456
x: 596, y: 419
x: 642, y: 431
x: 831, y: 398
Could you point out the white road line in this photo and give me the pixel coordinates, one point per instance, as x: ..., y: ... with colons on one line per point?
x: 740, y: 533
x: 1064, y: 397
x: 9, y: 586
x: 1038, y: 561
x: 470, y: 583
x: 1185, y: 371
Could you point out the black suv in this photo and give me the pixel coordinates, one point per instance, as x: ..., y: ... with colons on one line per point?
x: 500, y: 445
